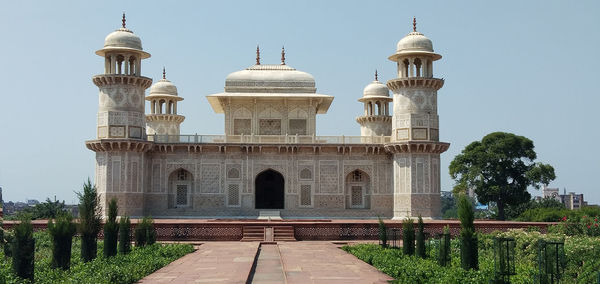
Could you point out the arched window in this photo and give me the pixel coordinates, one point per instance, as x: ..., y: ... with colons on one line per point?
x: 357, y: 190
x: 180, y: 188
x: 305, y: 174
x: 418, y: 66
x: 233, y: 173
x: 405, y: 66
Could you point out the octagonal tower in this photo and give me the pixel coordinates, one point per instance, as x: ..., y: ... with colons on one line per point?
x: 415, y: 129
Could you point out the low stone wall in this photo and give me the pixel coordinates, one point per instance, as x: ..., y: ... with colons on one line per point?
x: 304, y: 230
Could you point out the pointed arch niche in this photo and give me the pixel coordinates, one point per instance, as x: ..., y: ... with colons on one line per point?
x: 358, y: 190
x: 180, y: 188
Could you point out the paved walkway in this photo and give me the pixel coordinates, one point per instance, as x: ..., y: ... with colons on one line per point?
x: 287, y: 262
x: 213, y: 262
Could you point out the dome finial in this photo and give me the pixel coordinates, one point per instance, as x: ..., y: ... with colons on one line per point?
x: 283, y: 55
x: 164, y: 73
x: 414, y: 24
x: 376, y: 75
x: 123, y: 20
x: 257, y: 55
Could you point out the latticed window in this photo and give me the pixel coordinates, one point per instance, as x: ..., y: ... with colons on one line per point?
x: 356, y: 196
x: 182, y: 175
x: 357, y: 176
x: 305, y: 174
x: 233, y: 195
x: 233, y: 173
x: 305, y: 195
x: 182, y: 195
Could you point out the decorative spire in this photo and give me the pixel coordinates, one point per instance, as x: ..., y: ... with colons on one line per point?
x: 123, y: 20
x: 283, y: 55
x: 414, y: 24
x: 164, y: 73
x: 257, y: 55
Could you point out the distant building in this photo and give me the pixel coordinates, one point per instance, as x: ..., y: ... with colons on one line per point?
x: 571, y: 200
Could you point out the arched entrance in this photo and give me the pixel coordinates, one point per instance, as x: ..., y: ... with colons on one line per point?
x: 268, y: 190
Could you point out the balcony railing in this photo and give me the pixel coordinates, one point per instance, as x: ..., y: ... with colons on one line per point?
x: 268, y: 139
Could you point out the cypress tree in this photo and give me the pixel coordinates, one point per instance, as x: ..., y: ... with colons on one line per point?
x: 89, y: 221
x: 124, y: 235
x: 111, y: 230
x: 408, y: 237
x: 444, y: 253
x: 23, y: 249
x: 421, y: 239
x: 468, y: 237
x: 62, y: 234
x: 382, y: 233
x: 145, y: 233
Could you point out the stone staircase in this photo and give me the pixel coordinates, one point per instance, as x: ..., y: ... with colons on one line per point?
x: 269, y: 215
x: 268, y: 233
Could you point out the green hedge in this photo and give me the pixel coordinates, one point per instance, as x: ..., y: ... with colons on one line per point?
x: 122, y: 268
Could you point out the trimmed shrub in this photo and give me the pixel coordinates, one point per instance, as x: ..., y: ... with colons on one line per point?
x: 421, y: 239
x: 468, y: 237
x: 111, y: 230
x: 62, y: 234
x: 89, y: 221
x: 444, y: 250
x: 408, y: 237
x: 124, y: 235
x: 382, y: 233
x: 23, y: 249
x: 145, y: 233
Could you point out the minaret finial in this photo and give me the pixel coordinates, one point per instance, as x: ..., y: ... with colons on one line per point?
x: 283, y: 55
x: 123, y: 20
x: 376, y: 75
x: 414, y: 24
x: 164, y: 73
x: 257, y: 55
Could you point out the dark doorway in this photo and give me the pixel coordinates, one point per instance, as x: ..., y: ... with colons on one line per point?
x: 268, y: 188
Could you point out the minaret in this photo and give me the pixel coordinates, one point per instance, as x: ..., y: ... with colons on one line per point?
x: 376, y: 120
x: 121, y: 138
x: 415, y: 129
x: 163, y: 121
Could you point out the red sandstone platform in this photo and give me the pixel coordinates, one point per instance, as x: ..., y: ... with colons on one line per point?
x: 316, y: 229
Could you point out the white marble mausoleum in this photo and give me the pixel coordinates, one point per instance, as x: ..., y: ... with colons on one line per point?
x: 270, y: 157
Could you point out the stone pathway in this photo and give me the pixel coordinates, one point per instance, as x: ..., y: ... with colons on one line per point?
x: 287, y: 262
x: 213, y: 262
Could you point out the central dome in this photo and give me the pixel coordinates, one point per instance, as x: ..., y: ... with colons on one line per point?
x: 270, y: 78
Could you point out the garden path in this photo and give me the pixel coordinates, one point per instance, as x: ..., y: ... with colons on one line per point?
x: 301, y: 262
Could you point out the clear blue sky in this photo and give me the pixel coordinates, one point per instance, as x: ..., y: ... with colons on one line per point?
x: 527, y: 67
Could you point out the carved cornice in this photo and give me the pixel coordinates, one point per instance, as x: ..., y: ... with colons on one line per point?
x: 115, y: 79
x: 417, y: 147
x: 121, y: 145
x: 415, y: 82
x: 259, y: 148
x: 165, y: 117
x: 374, y: 118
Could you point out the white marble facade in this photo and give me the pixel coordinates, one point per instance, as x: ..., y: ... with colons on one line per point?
x: 270, y: 156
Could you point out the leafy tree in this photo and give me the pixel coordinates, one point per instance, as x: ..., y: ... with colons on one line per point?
x: 448, y: 207
x: 23, y: 249
x: 124, y: 235
x: 421, y: 238
x: 89, y: 221
x: 47, y: 210
x: 408, y: 237
x: 382, y: 233
x: 62, y: 237
x: 499, y: 168
x: 111, y: 230
x: 468, y: 238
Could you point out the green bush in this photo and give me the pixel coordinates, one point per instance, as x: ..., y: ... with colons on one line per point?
x: 382, y: 233
x: 89, y: 221
x: 62, y: 238
x: 120, y: 269
x: 421, y: 238
x: 408, y: 237
x: 468, y: 237
x: 111, y: 230
x: 23, y: 249
x: 145, y: 233
x: 124, y: 235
